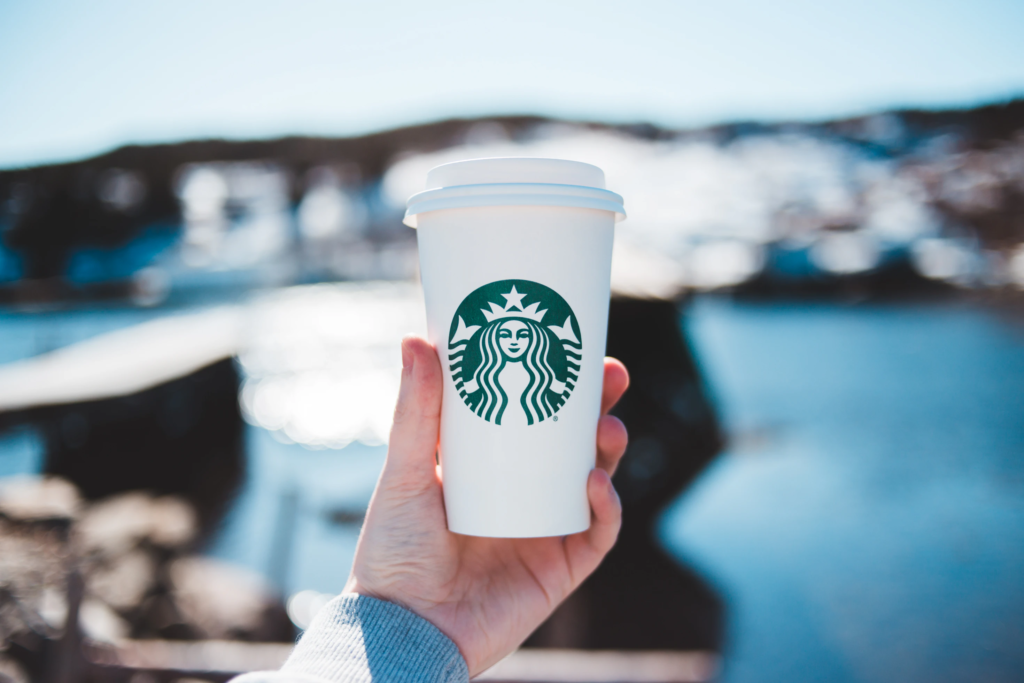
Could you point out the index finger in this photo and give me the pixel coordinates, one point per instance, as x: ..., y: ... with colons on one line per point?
x: 616, y: 381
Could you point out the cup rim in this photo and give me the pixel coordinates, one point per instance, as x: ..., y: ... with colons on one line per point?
x: 513, y: 194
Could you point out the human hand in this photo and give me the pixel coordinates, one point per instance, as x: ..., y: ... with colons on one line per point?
x: 486, y: 594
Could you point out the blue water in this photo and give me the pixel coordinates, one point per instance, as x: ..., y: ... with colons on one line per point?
x: 867, y: 523
x: 298, y: 548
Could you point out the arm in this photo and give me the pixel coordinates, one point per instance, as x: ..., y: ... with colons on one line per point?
x: 357, y: 639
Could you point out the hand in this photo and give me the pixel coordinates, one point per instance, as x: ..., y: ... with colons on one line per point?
x: 486, y: 594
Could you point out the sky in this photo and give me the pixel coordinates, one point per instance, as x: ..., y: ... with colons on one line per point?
x: 79, y: 78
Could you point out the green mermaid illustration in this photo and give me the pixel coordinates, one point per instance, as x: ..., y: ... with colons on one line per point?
x: 507, y: 365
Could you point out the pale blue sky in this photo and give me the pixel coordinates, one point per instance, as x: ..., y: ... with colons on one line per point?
x: 78, y: 78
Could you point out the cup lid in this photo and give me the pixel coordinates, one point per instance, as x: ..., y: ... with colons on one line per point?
x: 514, y: 181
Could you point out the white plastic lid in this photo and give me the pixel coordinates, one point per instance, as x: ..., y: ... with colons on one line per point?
x: 514, y: 181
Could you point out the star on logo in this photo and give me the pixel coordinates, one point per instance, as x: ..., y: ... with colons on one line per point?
x: 513, y: 299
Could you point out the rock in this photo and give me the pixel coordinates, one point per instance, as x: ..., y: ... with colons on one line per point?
x: 12, y: 672
x: 101, y: 623
x: 35, y: 499
x: 35, y: 514
x: 224, y: 601
x: 117, y: 524
x: 124, y: 582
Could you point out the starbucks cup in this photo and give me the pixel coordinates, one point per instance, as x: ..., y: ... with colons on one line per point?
x: 515, y: 257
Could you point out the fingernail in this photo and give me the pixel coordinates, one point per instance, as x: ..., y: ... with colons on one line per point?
x: 407, y: 357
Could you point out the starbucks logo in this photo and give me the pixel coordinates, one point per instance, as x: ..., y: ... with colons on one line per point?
x: 509, y: 366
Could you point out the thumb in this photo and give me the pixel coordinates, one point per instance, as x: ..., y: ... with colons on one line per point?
x: 417, y: 420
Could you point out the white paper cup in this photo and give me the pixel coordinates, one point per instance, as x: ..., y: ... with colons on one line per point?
x: 515, y: 257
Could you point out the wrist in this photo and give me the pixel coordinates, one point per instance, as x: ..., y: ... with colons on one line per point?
x: 354, y: 587
x: 358, y: 637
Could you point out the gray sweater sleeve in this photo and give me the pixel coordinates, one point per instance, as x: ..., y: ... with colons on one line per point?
x: 356, y: 639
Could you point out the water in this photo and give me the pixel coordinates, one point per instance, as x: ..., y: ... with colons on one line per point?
x: 868, y: 521
x: 303, y: 547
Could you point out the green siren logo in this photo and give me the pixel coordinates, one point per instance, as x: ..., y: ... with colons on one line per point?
x: 508, y: 365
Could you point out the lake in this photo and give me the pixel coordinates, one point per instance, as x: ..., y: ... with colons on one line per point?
x: 865, y: 523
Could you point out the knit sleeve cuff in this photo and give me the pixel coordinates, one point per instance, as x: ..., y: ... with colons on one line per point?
x: 355, y: 638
